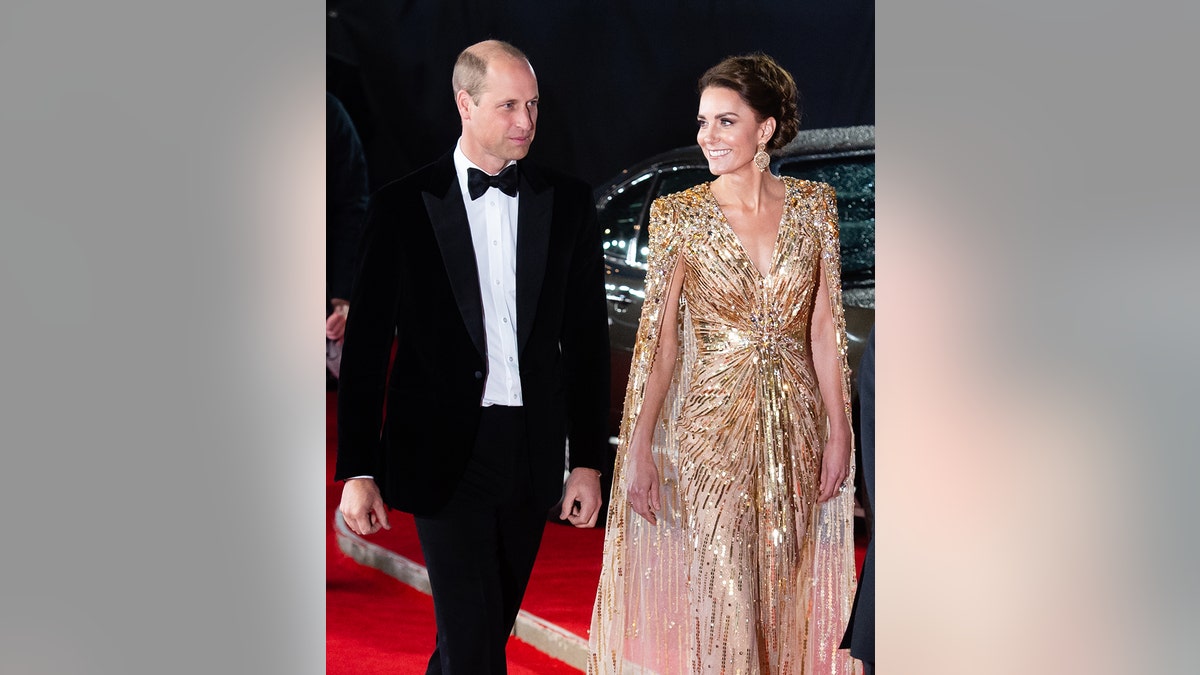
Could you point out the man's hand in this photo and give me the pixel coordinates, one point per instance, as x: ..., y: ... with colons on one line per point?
x: 335, y: 324
x: 581, y: 498
x: 362, y: 508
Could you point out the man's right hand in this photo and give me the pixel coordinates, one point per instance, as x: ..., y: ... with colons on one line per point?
x: 335, y: 323
x: 362, y: 508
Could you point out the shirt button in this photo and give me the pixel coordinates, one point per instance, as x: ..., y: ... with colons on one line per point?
x: 497, y: 282
x: 495, y: 243
x: 505, y: 319
x: 510, y: 359
x: 478, y: 375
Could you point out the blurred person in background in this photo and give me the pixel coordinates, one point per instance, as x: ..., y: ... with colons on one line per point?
x: 860, y: 633
x: 346, y: 195
x: 729, y: 545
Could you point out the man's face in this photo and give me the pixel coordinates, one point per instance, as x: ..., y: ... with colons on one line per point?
x: 500, y: 128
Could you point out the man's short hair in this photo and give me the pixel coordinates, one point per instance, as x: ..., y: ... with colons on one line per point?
x: 470, y: 70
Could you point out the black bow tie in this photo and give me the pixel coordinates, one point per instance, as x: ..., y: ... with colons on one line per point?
x: 478, y: 182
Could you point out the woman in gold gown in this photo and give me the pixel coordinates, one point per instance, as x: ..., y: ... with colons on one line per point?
x: 729, y: 543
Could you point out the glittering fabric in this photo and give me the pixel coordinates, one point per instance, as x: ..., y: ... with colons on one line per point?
x: 745, y: 572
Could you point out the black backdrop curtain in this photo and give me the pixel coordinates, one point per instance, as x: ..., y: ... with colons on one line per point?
x: 617, y: 79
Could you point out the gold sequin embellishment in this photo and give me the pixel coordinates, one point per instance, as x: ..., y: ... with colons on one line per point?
x: 745, y: 573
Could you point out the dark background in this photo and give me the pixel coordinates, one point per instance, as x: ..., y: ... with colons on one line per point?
x: 617, y: 79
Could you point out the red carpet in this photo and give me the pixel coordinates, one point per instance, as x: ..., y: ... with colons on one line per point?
x: 376, y: 624
x: 564, y: 577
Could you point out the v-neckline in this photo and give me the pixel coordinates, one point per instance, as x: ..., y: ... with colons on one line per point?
x: 742, y: 247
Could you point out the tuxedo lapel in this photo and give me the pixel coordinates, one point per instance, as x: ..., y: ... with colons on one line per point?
x: 448, y: 216
x: 533, y: 242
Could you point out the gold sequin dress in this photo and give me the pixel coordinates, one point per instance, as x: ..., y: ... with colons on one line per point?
x: 745, y: 572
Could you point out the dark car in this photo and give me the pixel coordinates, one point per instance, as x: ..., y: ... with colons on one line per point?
x: 843, y: 157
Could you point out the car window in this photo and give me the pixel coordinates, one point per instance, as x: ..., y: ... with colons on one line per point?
x: 681, y: 178
x: 853, y: 178
x: 621, y: 216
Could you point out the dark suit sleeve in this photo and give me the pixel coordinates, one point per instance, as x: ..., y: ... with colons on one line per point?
x: 585, y: 344
x: 866, y: 398
x: 346, y: 198
x: 370, y: 329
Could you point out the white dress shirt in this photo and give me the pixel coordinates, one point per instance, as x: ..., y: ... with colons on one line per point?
x: 493, y: 220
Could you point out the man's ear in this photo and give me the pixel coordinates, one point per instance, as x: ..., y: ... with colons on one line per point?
x: 463, y: 101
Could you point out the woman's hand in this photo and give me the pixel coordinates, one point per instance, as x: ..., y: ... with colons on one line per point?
x: 835, y: 468
x: 643, y: 481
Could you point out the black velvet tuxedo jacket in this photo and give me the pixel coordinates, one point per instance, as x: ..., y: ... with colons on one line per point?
x: 418, y: 280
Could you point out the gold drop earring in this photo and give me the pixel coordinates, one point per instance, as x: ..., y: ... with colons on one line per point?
x: 761, y: 159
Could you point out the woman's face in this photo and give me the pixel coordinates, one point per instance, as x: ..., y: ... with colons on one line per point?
x: 728, y: 132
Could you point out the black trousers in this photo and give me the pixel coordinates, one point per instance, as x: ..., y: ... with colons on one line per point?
x: 480, y: 549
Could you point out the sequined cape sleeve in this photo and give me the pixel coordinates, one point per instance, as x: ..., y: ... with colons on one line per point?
x: 834, y: 571
x: 636, y: 622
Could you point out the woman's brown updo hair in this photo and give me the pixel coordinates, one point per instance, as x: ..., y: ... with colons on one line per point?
x: 765, y: 86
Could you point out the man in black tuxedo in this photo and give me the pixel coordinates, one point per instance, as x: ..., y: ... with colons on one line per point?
x: 489, y: 274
